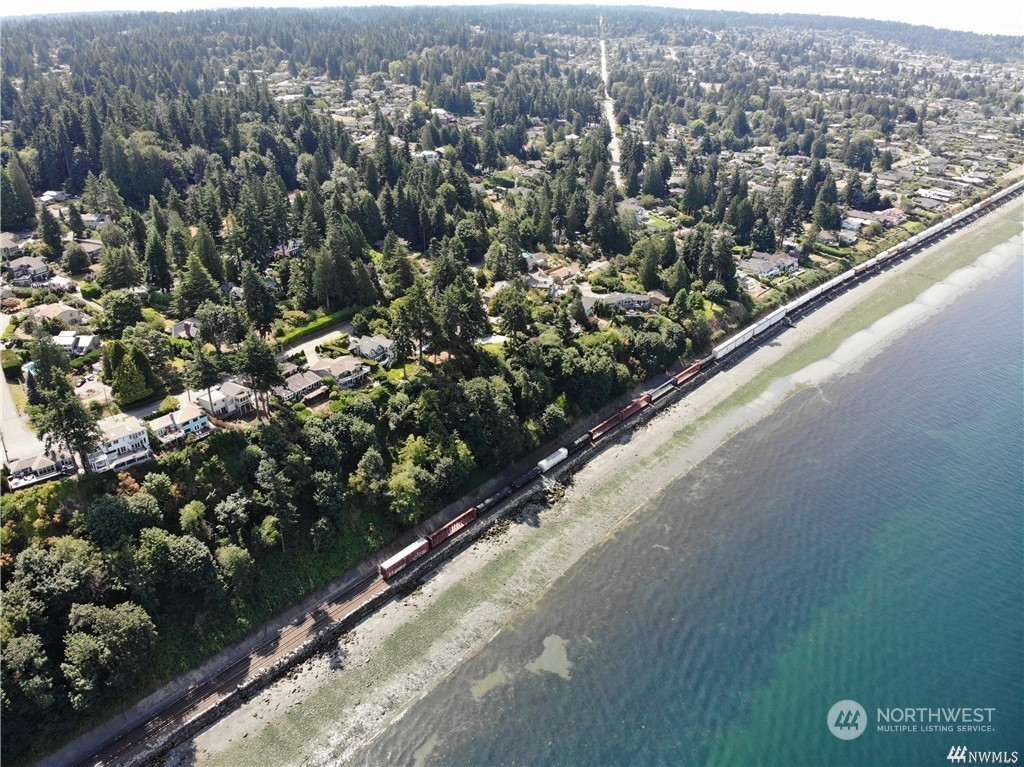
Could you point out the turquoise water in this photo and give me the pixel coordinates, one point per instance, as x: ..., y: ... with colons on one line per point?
x: 862, y: 542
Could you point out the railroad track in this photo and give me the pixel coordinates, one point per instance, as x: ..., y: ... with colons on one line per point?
x: 203, y: 696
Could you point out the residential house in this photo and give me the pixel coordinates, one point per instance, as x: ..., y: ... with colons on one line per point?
x: 347, y: 371
x: 892, y: 216
x: 227, y: 400
x: 658, y: 298
x: 124, y: 442
x: 96, y: 221
x: 634, y: 208
x: 93, y: 249
x: 174, y: 427
x: 10, y: 245
x: 564, y: 274
x: 76, y: 345
x: 377, y: 348
x: 40, y: 468
x: 69, y: 315
x: 187, y: 328
x: 536, y: 261
x: 28, y: 269
x: 51, y: 196
x: 769, y: 265
x: 630, y: 302
x: 541, y: 281
x: 299, y: 386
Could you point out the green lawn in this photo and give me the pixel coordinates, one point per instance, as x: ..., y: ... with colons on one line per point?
x: 661, y: 224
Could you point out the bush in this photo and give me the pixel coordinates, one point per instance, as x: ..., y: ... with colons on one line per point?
x: 87, y: 360
x: 92, y: 292
x: 11, y: 361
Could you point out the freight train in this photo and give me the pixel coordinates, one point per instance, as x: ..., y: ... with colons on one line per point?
x: 745, y: 340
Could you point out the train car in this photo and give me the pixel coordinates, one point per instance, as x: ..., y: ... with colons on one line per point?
x: 410, y: 553
x: 661, y: 391
x: 446, y: 531
x: 686, y: 375
x: 732, y: 344
x: 635, y: 407
x: 598, y: 431
x: 775, y: 317
x: 867, y: 265
x: 525, y: 479
x: 490, y: 501
x: 547, y: 464
x: 579, y: 443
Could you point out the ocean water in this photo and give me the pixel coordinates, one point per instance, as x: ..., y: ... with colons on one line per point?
x: 865, y: 541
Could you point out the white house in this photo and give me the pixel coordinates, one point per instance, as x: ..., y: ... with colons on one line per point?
x: 227, y: 400
x: 637, y: 302
x: 346, y: 370
x: 124, y: 442
x: 175, y: 427
x: 769, y: 265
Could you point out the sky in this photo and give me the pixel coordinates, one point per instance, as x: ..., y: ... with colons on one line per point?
x: 983, y: 16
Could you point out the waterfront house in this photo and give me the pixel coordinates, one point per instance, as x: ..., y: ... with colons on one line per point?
x: 227, y: 400
x: 769, y: 265
x: 124, y: 442
x: 347, y: 371
x: 187, y: 420
x: 301, y: 385
x: 40, y: 468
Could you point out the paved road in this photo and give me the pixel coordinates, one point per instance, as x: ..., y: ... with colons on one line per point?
x: 17, y: 440
x: 609, y: 113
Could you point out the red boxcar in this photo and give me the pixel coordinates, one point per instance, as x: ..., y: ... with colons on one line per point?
x: 687, y: 374
x: 604, y: 426
x: 443, y: 533
x: 409, y: 554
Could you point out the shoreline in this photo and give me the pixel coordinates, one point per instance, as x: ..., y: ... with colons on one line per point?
x: 330, y: 707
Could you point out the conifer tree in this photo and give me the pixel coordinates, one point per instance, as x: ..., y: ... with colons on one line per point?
x: 195, y: 286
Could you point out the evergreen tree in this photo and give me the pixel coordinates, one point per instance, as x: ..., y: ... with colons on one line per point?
x: 49, y: 232
x: 201, y: 372
x: 75, y: 260
x: 19, y: 207
x: 75, y: 222
x: 205, y: 248
x: 257, y: 363
x: 195, y: 286
x: 158, y: 272
x: 129, y: 383
x: 65, y: 421
x: 260, y: 299
x: 118, y: 269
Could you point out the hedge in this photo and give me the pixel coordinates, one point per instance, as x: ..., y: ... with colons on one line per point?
x: 316, y: 325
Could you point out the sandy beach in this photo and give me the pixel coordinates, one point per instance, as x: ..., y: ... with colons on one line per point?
x: 329, y: 707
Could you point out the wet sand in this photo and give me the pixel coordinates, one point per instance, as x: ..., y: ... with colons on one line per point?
x: 333, y: 704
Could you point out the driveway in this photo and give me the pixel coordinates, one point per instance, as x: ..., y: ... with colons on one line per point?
x: 17, y: 440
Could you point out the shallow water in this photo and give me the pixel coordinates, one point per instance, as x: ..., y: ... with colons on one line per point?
x: 863, y: 541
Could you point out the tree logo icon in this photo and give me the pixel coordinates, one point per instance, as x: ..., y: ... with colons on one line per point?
x: 847, y: 719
